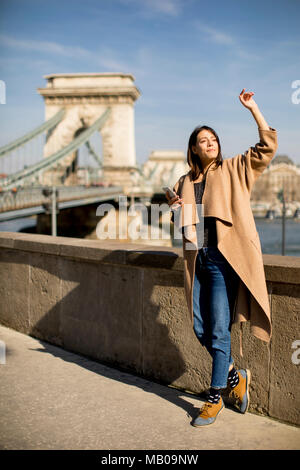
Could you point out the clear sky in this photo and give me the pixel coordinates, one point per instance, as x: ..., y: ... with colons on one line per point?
x: 190, y: 60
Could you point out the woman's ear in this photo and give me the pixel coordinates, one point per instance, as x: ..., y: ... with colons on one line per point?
x: 194, y: 149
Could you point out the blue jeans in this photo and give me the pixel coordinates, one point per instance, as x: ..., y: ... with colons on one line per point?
x: 214, y: 294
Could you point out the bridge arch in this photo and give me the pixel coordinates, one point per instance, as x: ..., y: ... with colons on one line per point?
x: 85, y: 97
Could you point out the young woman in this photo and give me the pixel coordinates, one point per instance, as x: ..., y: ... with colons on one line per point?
x: 223, y: 270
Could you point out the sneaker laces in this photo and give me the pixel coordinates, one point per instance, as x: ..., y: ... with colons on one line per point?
x: 204, y: 408
x: 235, y: 395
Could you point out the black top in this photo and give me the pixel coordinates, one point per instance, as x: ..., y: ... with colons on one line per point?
x: 210, y: 233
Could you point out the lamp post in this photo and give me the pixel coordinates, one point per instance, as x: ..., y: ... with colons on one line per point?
x: 53, y: 212
x: 281, y: 197
x: 51, y: 207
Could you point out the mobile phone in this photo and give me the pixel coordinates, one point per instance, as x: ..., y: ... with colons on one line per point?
x: 169, y: 191
x: 171, y: 194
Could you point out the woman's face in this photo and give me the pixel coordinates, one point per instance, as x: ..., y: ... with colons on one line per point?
x: 206, y: 145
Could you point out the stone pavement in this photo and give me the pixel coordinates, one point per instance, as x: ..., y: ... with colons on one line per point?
x: 53, y: 399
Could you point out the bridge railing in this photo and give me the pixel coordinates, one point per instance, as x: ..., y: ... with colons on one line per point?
x: 34, y: 196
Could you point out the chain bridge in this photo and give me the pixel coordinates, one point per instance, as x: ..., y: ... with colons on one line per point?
x: 91, y: 113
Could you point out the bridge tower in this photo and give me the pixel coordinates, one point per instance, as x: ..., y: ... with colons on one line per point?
x: 85, y: 97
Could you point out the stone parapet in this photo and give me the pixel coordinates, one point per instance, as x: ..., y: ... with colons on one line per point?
x: 124, y: 305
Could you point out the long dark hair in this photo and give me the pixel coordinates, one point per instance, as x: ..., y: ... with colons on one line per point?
x: 193, y: 159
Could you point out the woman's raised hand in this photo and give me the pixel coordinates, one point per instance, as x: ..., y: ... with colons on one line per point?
x: 246, y: 99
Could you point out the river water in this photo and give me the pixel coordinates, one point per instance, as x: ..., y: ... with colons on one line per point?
x: 270, y: 233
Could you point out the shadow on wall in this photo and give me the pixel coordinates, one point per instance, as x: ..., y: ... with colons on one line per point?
x: 119, y: 312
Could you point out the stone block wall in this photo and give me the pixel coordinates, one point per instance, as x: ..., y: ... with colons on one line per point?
x: 124, y: 305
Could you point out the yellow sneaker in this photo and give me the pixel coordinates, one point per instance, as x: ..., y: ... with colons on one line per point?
x: 208, y: 413
x: 239, y: 395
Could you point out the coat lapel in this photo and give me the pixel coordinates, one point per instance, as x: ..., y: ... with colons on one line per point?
x: 216, y: 206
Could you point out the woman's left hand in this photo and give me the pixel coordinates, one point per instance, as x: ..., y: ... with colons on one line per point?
x: 247, y: 100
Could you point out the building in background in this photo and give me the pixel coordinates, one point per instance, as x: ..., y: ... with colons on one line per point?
x: 281, y: 174
x: 164, y: 167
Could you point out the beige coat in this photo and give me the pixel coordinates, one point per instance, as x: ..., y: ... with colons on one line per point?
x: 227, y: 197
